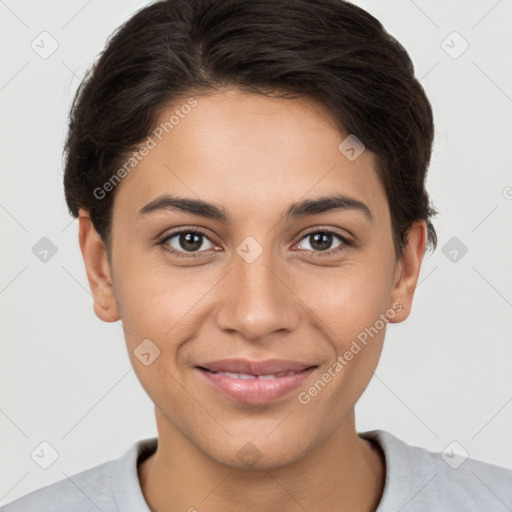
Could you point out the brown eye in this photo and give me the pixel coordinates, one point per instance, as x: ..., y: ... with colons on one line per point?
x: 190, y: 241
x: 321, y: 242
x: 186, y: 241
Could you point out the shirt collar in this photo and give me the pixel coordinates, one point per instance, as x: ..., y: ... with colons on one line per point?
x: 125, y: 480
x: 128, y: 493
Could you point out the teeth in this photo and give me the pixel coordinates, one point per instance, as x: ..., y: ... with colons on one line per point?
x: 247, y: 376
x: 244, y: 376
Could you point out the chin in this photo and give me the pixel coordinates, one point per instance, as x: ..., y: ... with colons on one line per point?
x: 258, y: 454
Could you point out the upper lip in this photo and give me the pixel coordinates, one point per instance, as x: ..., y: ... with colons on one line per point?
x: 267, y: 367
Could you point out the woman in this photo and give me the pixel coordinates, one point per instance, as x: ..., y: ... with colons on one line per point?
x: 249, y: 179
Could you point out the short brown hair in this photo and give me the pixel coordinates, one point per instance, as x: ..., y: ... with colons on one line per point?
x: 328, y: 50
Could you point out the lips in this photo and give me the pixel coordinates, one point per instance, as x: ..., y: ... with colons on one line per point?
x: 249, y: 376
x: 256, y: 368
x: 255, y: 382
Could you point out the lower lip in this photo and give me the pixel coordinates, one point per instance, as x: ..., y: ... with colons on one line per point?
x: 255, y: 391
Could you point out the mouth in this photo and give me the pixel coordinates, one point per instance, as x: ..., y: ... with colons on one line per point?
x: 255, y: 382
x: 250, y: 376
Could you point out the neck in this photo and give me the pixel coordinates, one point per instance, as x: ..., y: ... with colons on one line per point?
x: 343, y: 473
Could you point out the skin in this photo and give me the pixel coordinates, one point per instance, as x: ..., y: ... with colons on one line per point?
x: 254, y: 156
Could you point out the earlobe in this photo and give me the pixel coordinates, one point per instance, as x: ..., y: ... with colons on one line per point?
x: 408, y: 269
x: 98, y: 269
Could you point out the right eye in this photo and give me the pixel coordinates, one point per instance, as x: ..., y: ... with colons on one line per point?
x: 185, y: 242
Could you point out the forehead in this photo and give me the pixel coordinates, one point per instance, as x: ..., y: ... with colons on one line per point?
x: 246, y: 151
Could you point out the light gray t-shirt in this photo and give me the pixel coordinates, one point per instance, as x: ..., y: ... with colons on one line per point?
x: 417, y: 480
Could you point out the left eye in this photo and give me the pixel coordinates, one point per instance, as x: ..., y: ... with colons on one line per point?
x: 322, y: 240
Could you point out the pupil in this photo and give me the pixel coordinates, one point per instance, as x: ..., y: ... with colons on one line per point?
x: 322, y: 241
x: 190, y: 241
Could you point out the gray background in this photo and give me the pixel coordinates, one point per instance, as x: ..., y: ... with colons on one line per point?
x: 445, y: 373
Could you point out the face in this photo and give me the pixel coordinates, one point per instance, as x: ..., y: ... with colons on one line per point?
x: 258, y: 284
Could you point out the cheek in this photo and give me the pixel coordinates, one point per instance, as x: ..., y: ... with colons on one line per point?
x: 348, y: 299
x: 161, y: 305
x: 143, y: 290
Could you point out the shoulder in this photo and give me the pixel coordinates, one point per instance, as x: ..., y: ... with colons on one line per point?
x: 419, y: 480
x: 79, y: 492
x: 106, y: 487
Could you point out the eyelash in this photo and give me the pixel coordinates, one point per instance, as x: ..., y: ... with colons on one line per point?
x: 163, y: 242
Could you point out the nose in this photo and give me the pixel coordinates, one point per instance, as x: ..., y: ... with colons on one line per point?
x: 258, y: 299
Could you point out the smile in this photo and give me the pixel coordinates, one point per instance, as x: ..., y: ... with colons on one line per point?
x: 255, y: 389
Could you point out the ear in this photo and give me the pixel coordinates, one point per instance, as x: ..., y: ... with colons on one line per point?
x: 97, y: 268
x: 408, y: 269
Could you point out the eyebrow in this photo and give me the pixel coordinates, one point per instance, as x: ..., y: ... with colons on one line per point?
x: 298, y: 210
